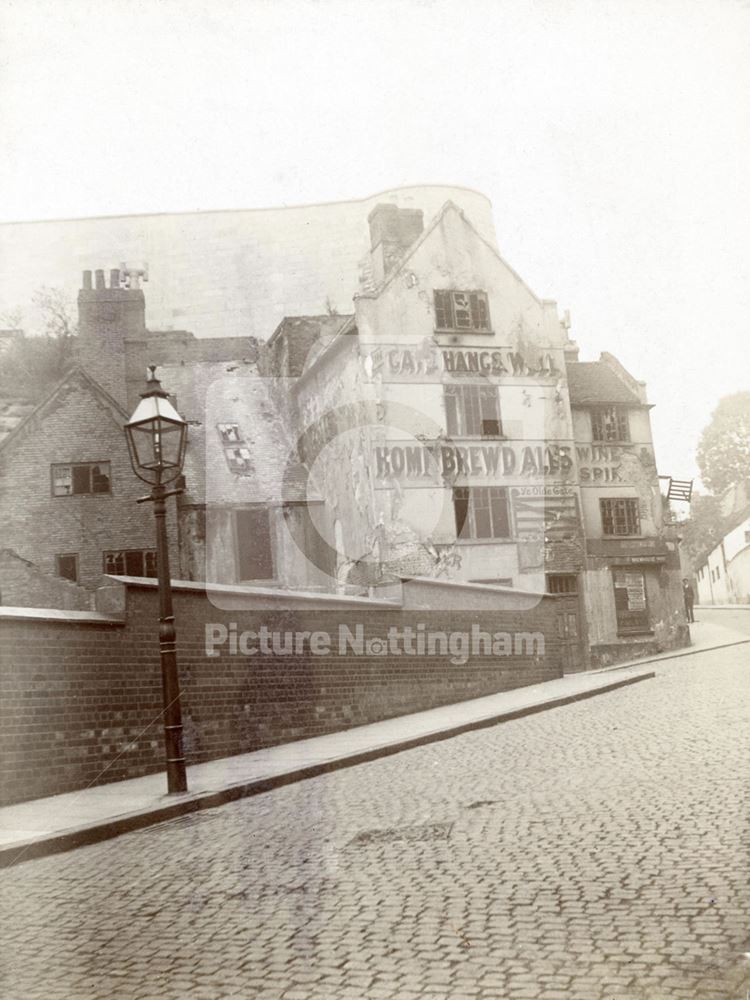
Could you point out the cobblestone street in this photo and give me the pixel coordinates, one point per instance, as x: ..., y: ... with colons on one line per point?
x: 594, y: 851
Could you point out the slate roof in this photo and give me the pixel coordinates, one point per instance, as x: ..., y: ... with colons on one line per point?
x: 591, y: 382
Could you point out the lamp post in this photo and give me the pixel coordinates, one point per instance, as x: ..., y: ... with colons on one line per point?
x: 157, y: 437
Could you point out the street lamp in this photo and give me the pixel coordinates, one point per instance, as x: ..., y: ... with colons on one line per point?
x: 157, y: 437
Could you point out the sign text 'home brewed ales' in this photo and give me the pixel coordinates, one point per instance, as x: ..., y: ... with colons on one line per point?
x: 484, y: 461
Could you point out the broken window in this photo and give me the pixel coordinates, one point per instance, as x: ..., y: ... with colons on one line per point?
x: 230, y: 433
x: 620, y: 517
x: 631, y: 605
x: 610, y: 423
x: 254, y: 546
x: 239, y: 461
x: 458, y: 310
x: 66, y: 566
x: 481, y: 512
x: 130, y: 562
x: 80, y: 479
x: 472, y: 410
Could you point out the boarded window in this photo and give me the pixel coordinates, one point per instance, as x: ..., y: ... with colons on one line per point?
x: 80, y: 479
x: 459, y: 310
x: 481, y: 512
x: 254, y: 548
x: 610, y: 423
x: 472, y: 410
x: 620, y: 516
x: 631, y: 605
x: 66, y: 566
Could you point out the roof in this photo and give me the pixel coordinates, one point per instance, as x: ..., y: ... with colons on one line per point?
x: 38, y: 409
x: 592, y: 382
x: 298, y: 339
x: 12, y: 412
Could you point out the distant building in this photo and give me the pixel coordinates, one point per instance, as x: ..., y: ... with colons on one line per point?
x: 723, y: 576
x: 444, y: 427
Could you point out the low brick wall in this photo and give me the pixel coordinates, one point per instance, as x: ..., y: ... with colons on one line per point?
x: 81, y: 699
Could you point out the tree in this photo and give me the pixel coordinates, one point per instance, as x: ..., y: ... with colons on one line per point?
x: 32, y: 365
x: 703, y: 529
x: 724, y: 448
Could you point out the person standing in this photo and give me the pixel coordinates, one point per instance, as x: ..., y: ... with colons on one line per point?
x: 689, y: 594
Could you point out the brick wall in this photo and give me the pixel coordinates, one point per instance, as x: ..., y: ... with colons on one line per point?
x: 81, y: 701
x: 76, y: 425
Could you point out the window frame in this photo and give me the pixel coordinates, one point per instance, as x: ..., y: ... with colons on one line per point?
x: 621, y: 418
x: 67, y: 555
x: 225, y: 429
x: 465, y: 410
x: 444, y: 304
x: 470, y: 495
x: 144, y: 553
x: 560, y: 583
x: 89, y: 466
x: 610, y: 519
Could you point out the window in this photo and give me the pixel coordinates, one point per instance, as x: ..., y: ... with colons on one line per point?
x: 66, y: 566
x: 562, y: 583
x: 254, y: 549
x: 472, y: 410
x: 610, y: 423
x: 130, y: 562
x: 481, y: 512
x: 239, y: 461
x: 631, y: 606
x: 80, y: 479
x: 461, y: 311
x: 229, y: 433
x: 620, y: 517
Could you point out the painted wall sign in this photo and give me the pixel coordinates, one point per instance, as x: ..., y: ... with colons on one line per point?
x: 602, y: 463
x: 426, y: 360
x: 490, y: 461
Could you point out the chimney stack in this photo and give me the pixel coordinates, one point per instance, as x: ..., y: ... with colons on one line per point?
x: 392, y: 231
x: 108, y: 318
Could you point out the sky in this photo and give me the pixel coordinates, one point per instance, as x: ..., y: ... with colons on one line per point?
x: 613, y: 139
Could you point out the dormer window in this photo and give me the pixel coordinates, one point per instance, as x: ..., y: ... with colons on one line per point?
x: 462, y: 311
x: 610, y: 423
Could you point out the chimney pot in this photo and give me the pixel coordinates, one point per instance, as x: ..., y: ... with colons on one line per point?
x: 114, y: 277
x: 99, y: 274
x: 87, y: 280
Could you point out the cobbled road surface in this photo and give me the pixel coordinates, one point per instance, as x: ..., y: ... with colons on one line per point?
x: 598, y: 851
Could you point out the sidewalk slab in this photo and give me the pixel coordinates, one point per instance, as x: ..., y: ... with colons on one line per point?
x: 46, y: 826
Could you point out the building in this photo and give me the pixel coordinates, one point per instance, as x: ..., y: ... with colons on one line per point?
x: 444, y: 428
x: 723, y: 576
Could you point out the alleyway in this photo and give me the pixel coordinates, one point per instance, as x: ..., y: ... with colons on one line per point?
x: 594, y: 851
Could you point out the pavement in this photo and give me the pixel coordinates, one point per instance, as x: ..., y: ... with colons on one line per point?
x: 596, y: 852
x: 45, y: 826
